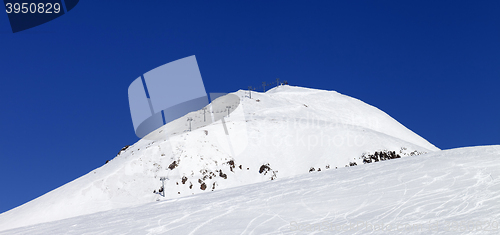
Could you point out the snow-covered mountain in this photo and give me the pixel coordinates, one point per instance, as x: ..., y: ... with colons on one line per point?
x: 287, y: 131
x: 445, y: 192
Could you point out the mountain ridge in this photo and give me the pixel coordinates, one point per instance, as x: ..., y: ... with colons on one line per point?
x: 284, y: 132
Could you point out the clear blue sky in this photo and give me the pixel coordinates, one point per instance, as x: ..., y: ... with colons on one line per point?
x: 432, y: 65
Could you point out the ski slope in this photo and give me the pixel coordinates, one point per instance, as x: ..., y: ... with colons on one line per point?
x: 445, y: 192
x: 287, y: 131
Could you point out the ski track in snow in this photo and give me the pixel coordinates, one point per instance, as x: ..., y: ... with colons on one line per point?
x: 459, y: 185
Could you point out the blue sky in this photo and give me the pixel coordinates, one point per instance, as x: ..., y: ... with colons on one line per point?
x: 432, y: 65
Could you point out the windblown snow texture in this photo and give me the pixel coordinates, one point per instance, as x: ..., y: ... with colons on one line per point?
x: 445, y: 192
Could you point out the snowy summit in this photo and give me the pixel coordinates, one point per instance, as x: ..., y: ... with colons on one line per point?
x: 240, y: 139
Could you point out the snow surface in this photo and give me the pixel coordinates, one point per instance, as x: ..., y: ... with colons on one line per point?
x: 445, y: 192
x: 284, y: 132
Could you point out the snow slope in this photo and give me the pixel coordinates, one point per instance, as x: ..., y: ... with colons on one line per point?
x: 284, y: 132
x: 445, y: 192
